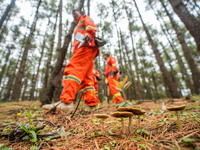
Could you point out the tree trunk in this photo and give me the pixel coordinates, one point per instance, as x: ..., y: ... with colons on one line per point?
x: 20, y: 74
x: 58, y: 89
x: 186, y: 51
x: 25, y: 83
x: 48, y: 95
x: 5, y: 15
x: 31, y: 97
x: 3, y: 69
x: 88, y: 7
x: 166, y: 75
x: 191, y: 23
x: 183, y: 70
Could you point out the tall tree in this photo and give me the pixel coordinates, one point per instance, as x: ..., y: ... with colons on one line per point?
x: 186, y: 51
x: 165, y: 30
x: 166, y: 75
x: 88, y: 7
x: 48, y: 95
x: 5, y: 15
x: 190, y: 21
x: 20, y: 74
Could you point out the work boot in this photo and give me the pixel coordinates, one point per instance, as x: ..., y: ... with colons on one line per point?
x: 59, y: 105
x: 65, y: 106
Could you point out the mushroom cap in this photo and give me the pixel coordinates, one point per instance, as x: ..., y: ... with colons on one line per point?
x: 142, y: 112
x: 102, y: 116
x: 135, y: 111
x: 176, y: 108
x: 122, y: 114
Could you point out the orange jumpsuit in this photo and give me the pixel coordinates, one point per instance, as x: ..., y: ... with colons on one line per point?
x: 114, y: 92
x: 77, y: 73
x: 95, y: 76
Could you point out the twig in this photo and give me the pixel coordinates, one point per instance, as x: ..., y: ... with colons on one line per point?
x: 47, y: 121
x: 187, y: 136
x: 40, y: 145
x: 95, y: 141
x: 77, y: 106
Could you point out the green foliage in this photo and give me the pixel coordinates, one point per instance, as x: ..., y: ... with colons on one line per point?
x: 188, y: 140
x: 141, y: 131
x: 113, y: 143
x: 7, y: 148
x: 31, y: 130
x: 124, y: 104
x: 96, y: 121
x: 106, y: 148
x: 135, y: 139
x: 143, y: 145
x: 111, y: 133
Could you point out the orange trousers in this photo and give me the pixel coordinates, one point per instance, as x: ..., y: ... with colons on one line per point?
x: 78, y: 76
x: 114, y: 92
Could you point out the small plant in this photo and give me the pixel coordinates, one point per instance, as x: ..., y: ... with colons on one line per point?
x: 30, y: 130
x: 123, y: 86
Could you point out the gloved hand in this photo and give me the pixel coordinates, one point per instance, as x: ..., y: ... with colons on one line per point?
x: 111, y: 73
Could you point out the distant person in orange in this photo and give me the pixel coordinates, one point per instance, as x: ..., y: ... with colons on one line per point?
x: 112, y: 74
x: 96, y: 77
x: 77, y: 73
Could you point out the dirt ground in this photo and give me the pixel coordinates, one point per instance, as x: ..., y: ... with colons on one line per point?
x: 158, y: 129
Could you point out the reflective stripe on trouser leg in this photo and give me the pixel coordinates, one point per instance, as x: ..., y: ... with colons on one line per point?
x: 87, y: 88
x: 114, y: 92
x: 89, y: 96
x: 70, y: 87
x: 70, y: 77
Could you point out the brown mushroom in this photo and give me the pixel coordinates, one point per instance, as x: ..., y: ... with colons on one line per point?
x: 142, y: 112
x: 135, y: 111
x: 122, y: 115
x: 176, y: 109
x: 102, y: 117
x: 129, y: 109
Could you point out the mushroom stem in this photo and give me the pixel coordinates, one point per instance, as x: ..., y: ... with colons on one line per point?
x: 178, y: 120
x: 139, y: 120
x: 123, y: 131
x: 103, y: 127
x: 129, y: 125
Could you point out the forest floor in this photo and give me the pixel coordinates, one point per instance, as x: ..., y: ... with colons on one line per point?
x: 158, y: 130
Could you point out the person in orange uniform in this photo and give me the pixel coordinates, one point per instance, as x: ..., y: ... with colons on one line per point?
x: 96, y: 78
x: 77, y: 73
x: 112, y: 74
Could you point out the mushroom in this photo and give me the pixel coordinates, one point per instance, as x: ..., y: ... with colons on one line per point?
x: 129, y: 109
x: 176, y: 109
x: 102, y: 117
x: 122, y: 115
x: 142, y: 112
x: 135, y: 111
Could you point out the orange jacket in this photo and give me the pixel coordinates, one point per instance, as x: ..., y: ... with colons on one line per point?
x: 85, y: 25
x: 111, y: 65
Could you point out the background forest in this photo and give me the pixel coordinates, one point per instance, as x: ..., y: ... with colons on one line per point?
x: 156, y: 43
